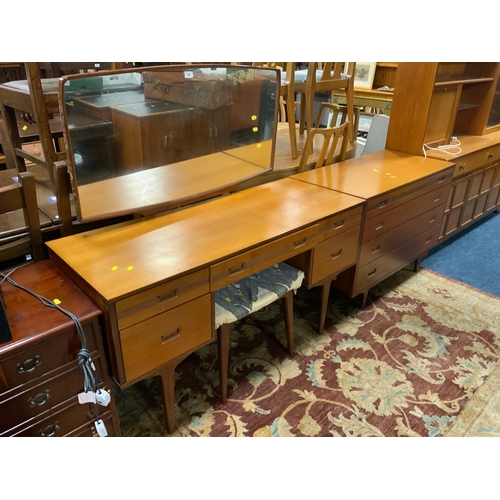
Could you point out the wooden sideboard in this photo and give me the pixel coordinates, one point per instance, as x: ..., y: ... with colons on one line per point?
x: 39, y: 374
x: 155, y: 279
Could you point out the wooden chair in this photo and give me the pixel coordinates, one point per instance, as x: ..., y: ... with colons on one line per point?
x: 17, y: 196
x: 334, y: 134
x: 248, y: 295
x: 328, y: 77
x: 36, y: 100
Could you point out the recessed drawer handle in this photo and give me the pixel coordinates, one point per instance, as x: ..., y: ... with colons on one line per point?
x: 491, y: 155
x: 171, y: 336
x: 428, y: 240
x: 432, y: 220
x: 50, y: 430
x: 39, y: 399
x: 376, y: 249
x: 336, y: 255
x: 371, y: 273
x: 166, y: 297
x: 29, y: 365
x: 234, y: 272
x: 300, y: 243
x: 437, y: 199
x: 382, y: 204
x: 441, y: 179
x: 461, y: 167
x: 339, y: 224
x: 380, y: 226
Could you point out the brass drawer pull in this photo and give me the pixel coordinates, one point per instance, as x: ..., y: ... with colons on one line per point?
x: 371, y: 273
x: 29, y: 365
x: 336, y: 255
x: 300, y: 243
x: 171, y: 336
x: 234, y: 272
x: 50, y: 430
x: 39, y: 399
x: 380, y: 226
x: 166, y: 297
x: 339, y: 224
x: 376, y: 249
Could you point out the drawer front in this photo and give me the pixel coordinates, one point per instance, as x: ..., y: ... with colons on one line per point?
x: 390, y: 240
x: 89, y: 430
x: 41, y: 359
x: 339, y: 223
x: 374, y: 272
x: 389, y: 220
x: 393, y: 199
x: 161, y: 298
x: 44, y: 397
x: 157, y: 340
x: 247, y: 263
x: 62, y: 422
x: 474, y: 161
x: 335, y: 254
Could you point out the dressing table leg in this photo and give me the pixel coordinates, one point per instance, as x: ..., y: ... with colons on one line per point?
x: 166, y: 373
x: 223, y: 344
x: 288, y: 306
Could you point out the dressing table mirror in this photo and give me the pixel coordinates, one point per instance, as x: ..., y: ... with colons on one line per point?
x: 151, y: 139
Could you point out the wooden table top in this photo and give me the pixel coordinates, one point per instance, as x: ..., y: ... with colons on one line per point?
x: 374, y: 174
x: 158, y: 186
x: 121, y: 259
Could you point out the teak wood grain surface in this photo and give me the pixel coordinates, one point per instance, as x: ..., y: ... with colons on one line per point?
x: 123, y: 259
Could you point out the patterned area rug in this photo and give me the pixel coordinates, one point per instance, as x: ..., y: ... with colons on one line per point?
x: 420, y: 360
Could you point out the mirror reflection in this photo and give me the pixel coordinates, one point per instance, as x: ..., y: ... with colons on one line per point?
x: 161, y: 137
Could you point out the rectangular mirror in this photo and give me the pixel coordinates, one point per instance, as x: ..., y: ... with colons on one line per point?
x: 156, y: 138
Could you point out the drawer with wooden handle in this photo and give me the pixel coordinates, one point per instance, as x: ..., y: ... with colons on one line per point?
x: 34, y: 362
x: 45, y: 396
x: 469, y: 163
x: 399, y: 197
x: 388, y: 241
x: 393, y: 218
x: 161, y: 298
x: 248, y: 263
x: 384, y: 266
x: 161, y: 338
x: 339, y: 223
x: 335, y: 254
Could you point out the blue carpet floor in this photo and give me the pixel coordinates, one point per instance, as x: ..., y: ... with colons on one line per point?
x: 471, y: 257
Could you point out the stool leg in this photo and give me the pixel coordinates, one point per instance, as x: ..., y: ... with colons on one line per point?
x: 223, y: 344
x: 288, y: 305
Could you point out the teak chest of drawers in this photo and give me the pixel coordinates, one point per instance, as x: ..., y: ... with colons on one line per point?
x: 405, y: 202
x: 155, y: 279
x: 39, y: 375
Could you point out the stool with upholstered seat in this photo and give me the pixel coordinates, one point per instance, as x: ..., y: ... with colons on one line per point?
x: 248, y: 295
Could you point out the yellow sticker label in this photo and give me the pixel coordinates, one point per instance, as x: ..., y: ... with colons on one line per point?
x: 56, y: 301
x: 114, y: 268
x: 25, y: 127
x: 255, y: 129
x: 254, y: 117
x: 129, y: 268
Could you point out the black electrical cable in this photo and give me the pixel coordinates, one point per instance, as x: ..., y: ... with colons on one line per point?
x: 84, y: 358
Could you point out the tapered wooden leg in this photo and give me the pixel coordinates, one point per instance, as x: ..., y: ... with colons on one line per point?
x: 364, y: 298
x: 223, y: 344
x: 288, y: 306
x: 323, y: 305
x: 166, y: 374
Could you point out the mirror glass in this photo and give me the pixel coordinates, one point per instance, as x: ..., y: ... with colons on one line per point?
x: 156, y: 138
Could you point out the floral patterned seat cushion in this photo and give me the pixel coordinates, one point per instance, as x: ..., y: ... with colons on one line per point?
x: 250, y: 294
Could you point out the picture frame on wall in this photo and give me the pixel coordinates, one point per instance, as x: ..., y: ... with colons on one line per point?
x: 364, y: 74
